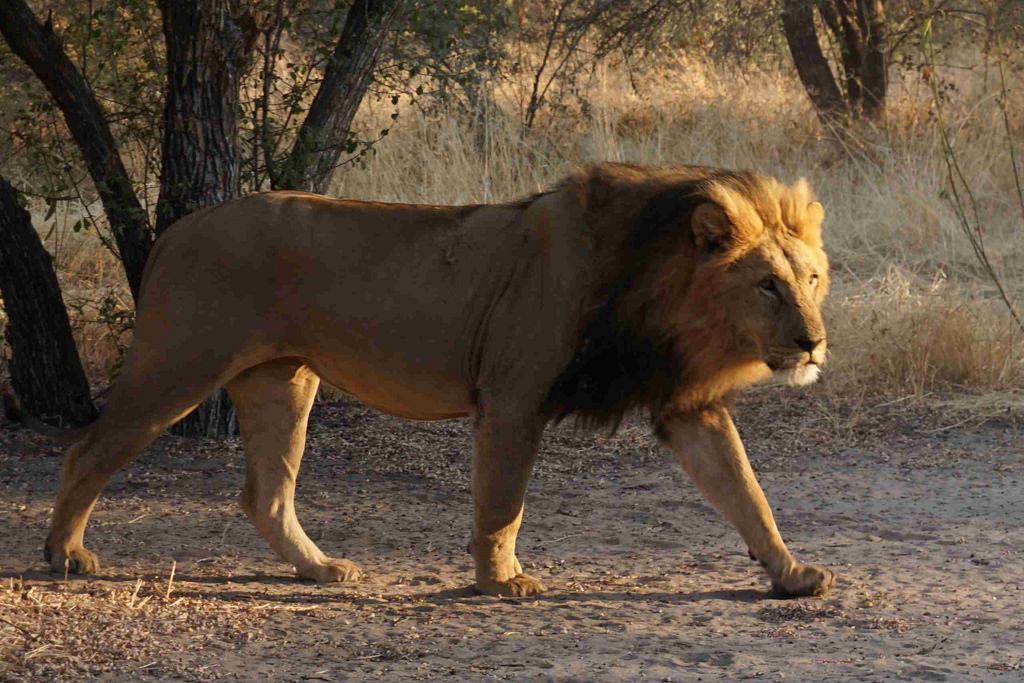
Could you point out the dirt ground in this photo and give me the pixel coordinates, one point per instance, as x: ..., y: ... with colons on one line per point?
x: 920, y: 512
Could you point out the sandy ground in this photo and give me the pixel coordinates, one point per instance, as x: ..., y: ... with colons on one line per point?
x: 923, y: 519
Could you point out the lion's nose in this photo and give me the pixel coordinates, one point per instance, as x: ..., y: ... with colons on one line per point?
x: 808, y: 344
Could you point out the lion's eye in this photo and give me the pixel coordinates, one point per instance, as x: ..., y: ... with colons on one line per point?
x: 814, y: 280
x: 767, y: 286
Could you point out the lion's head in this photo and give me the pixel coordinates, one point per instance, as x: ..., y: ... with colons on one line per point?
x: 716, y: 282
x: 760, y: 275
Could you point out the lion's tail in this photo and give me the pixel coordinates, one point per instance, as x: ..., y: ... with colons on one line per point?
x: 16, y: 413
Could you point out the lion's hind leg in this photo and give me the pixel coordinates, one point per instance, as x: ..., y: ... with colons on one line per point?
x: 88, y: 465
x: 273, y: 401
x: 142, y: 405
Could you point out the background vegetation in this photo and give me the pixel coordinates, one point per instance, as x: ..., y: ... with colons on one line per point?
x: 490, y: 100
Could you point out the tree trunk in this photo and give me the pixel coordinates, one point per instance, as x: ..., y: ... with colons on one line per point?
x: 843, y: 20
x: 207, y: 43
x: 46, y: 372
x: 811, y: 65
x: 324, y: 133
x: 41, y: 50
x: 859, y: 28
x: 876, y: 73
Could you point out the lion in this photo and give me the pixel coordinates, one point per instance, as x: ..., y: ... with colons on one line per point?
x: 624, y: 288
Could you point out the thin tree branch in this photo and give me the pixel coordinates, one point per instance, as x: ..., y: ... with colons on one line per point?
x: 325, y: 131
x: 41, y: 50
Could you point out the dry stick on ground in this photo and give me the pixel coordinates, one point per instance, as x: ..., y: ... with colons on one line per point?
x: 959, y: 187
x: 170, y: 580
x: 135, y: 593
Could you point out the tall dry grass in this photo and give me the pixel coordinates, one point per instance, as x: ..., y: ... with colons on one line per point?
x: 910, y: 314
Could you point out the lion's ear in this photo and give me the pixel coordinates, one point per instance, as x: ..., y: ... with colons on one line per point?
x: 815, y: 214
x: 810, y: 227
x: 712, y: 229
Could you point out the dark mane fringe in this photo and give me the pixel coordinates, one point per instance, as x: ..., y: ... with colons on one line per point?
x: 620, y: 364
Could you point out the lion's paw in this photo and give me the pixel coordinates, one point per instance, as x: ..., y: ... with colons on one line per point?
x: 805, y: 580
x: 332, y: 571
x: 73, y: 560
x: 519, y: 586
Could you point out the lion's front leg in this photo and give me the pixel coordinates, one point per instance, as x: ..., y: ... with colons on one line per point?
x: 709, y: 449
x: 273, y: 401
x: 503, y: 454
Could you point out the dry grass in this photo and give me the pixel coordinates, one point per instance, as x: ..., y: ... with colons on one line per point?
x: 47, y: 628
x: 911, y: 313
x: 894, y: 337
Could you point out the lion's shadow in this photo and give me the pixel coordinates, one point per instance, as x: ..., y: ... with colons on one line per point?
x: 192, y: 586
x: 555, y: 597
x: 344, y: 596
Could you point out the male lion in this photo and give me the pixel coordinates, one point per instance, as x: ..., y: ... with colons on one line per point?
x: 625, y: 287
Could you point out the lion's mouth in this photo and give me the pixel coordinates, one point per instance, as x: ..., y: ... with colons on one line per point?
x: 778, y: 364
x: 798, y: 370
x: 799, y: 376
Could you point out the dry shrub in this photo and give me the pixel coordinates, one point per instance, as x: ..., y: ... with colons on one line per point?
x: 897, y: 336
x: 95, y: 294
x: 98, y: 302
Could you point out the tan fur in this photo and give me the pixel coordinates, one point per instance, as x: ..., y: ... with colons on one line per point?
x: 625, y: 288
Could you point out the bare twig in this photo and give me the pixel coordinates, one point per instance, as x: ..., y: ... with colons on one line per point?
x: 1001, y: 101
x: 535, y: 95
x: 960, y: 189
